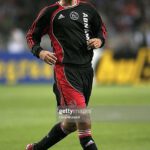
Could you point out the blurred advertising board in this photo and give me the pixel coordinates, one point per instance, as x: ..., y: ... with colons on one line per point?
x: 23, y: 68
x: 124, y: 69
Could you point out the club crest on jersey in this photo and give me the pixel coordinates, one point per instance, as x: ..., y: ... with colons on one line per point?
x: 74, y: 15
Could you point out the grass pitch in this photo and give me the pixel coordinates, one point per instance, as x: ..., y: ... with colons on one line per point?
x: 27, y: 112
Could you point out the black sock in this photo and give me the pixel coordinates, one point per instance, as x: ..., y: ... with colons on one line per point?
x: 55, y: 135
x: 88, y: 143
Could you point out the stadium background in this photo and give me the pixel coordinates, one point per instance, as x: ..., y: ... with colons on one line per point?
x: 120, y: 101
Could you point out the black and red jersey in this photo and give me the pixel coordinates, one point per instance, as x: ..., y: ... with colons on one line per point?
x: 69, y: 29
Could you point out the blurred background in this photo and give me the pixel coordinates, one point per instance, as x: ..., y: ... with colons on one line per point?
x: 128, y: 26
x: 121, y: 93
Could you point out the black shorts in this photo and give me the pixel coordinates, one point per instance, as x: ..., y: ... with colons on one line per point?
x: 73, y: 85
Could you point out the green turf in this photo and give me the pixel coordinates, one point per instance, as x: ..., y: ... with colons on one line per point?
x: 28, y: 112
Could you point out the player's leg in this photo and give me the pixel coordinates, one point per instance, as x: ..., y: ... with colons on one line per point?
x: 81, y: 80
x: 84, y: 125
x: 56, y: 134
x: 84, y: 131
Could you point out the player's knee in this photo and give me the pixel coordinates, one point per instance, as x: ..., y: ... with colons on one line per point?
x: 84, y: 122
x: 69, y: 127
x: 72, y: 127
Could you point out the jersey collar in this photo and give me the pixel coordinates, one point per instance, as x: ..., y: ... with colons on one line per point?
x: 67, y: 7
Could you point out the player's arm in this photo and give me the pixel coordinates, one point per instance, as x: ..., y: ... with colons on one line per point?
x: 99, y: 32
x: 39, y: 28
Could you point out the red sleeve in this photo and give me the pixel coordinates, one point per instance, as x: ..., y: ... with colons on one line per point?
x: 99, y: 28
x: 38, y: 29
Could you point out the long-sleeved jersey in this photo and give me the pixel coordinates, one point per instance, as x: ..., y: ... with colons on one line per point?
x: 69, y: 29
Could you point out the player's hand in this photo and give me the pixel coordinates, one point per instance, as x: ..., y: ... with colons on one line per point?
x: 94, y: 43
x: 48, y: 57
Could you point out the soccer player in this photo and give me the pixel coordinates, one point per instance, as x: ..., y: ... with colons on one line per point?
x: 75, y: 29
